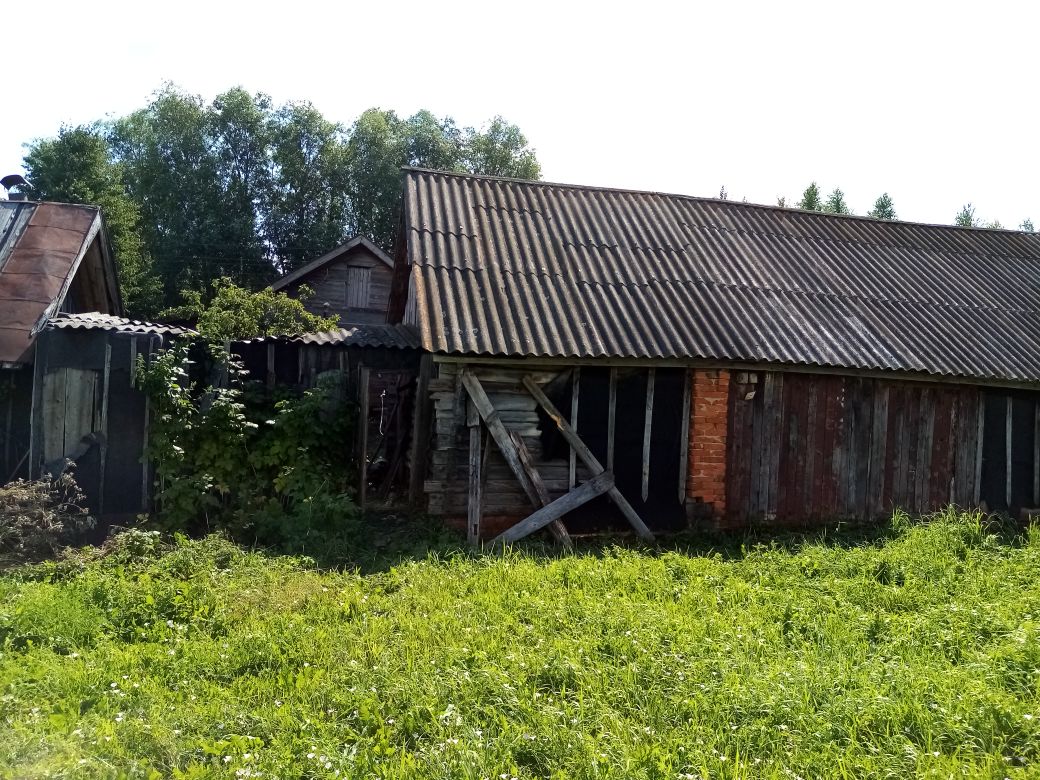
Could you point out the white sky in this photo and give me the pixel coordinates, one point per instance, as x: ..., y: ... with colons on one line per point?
x: 935, y: 102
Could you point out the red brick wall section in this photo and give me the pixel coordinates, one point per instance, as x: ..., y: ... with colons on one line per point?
x: 709, y: 415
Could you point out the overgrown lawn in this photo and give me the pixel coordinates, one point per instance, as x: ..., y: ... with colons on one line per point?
x: 916, y: 654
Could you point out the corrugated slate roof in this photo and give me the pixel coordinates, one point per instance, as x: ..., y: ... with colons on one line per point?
x: 507, y: 267
x: 97, y: 321
x: 389, y: 336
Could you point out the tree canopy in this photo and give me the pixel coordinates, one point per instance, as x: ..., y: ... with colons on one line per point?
x: 239, y: 188
x: 883, y: 208
x: 235, y: 313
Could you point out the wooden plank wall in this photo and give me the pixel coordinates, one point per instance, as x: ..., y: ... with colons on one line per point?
x: 804, y: 447
x: 330, y: 285
x: 447, y: 482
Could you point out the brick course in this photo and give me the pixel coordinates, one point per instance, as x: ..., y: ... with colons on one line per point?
x: 709, y: 418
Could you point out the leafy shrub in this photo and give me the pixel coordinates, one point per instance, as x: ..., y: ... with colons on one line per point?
x: 252, y: 461
x: 39, y: 517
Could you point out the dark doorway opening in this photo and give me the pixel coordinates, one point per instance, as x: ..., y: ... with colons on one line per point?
x: 662, y: 510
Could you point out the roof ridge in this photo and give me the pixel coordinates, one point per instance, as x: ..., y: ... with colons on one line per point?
x: 720, y: 201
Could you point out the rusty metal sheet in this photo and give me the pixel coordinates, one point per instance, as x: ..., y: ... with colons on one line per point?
x: 513, y: 268
x: 41, y: 246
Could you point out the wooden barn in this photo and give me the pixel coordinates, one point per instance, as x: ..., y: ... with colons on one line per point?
x: 601, y: 358
x: 352, y: 282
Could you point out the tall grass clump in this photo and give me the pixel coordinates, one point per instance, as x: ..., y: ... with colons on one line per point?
x: 914, y: 655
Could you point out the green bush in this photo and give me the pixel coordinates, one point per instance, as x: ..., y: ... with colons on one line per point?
x: 268, y: 466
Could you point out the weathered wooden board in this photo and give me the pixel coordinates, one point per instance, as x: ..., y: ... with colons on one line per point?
x: 804, y: 447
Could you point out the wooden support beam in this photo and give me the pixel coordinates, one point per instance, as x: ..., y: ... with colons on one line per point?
x: 1036, y: 456
x: 586, y: 456
x: 572, y: 462
x: 473, y: 505
x: 36, y: 415
x: 363, y: 433
x: 611, y: 408
x: 103, y: 454
x: 1007, y: 455
x: 981, y: 431
x: 507, y: 446
x: 499, y: 434
x: 556, y: 527
x: 271, y: 378
x: 421, y: 409
x: 597, y: 486
x: 684, y: 438
x: 647, y: 425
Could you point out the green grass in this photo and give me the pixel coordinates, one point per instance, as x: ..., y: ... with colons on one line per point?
x: 916, y: 653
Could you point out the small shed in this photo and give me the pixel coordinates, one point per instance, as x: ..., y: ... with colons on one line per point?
x: 87, y: 410
x: 352, y: 282
x: 54, y: 258
x: 603, y: 356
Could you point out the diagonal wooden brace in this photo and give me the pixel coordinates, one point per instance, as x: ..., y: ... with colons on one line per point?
x: 587, y: 457
x: 517, y: 457
x: 596, y: 486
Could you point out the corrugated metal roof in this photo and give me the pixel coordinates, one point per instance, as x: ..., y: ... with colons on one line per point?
x: 42, y: 246
x: 506, y: 267
x: 389, y: 336
x: 98, y: 321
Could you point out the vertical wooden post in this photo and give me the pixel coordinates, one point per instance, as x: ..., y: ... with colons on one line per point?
x: 473, y: 508
x: 981, y: 431
x: 144, y: 454
x: 270, y: 365
x: 684, y: 439
x: 1036, y: 456
x: 146, y: 465
x: 36, y: 409
x: 7, y: 428
x: 611, y: 406
x: 133, y: 360
x: 572, y: 461
x: 1007, y: 455
x: 420, y: 429
x: 647, y: 424
x: 363, y: 433
x: 104, y: 426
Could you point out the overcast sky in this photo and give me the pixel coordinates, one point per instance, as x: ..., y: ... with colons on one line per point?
x: 935, y: 102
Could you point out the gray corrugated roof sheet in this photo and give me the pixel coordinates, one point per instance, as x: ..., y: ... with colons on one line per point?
x: 97, y: 321
x: 389, y: 336
x: 506, y: 267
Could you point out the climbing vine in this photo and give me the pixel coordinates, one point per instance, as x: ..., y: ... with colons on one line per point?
x: 267, y: 465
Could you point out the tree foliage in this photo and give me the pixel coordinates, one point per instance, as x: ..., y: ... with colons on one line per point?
x: 836, y: 203
x: 240, y: 188
x: 76, y: 167
x: 966, y: 216
x: 1027, y: 225
x: 883, y: 208
x: 235, y: 313
x: 381, y: 143
x: 811, y: 200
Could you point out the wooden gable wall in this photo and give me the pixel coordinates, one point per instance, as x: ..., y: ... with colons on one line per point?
x: 354, y: 287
